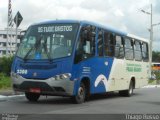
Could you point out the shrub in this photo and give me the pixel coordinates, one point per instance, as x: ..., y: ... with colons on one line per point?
x: 5, y: 65
x: 157, y: 75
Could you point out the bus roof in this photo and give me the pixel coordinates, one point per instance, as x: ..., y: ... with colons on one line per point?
x: 111, y: 29
x: 138, y: 38
x: 58, y: 21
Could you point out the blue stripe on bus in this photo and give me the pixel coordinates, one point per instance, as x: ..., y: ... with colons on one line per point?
x: 88, y: 69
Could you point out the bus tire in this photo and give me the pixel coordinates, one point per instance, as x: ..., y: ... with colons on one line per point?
x: 129, y: 92
x: 81, y: 95
x: 33, y: 97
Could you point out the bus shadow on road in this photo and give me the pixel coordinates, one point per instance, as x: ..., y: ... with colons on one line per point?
x: 106, y: 96
x: 53, y: 100
x: 111, y: 95
x: 67, y: 100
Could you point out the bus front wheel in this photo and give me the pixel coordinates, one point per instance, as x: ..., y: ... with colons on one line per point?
x: 129, y: 92
x: 33, y: 97
x: 81, y: 94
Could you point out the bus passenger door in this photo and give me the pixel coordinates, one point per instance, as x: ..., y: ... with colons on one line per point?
x: 103, y: 63
x: 84, y: 54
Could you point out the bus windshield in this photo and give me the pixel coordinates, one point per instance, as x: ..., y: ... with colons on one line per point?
x: 48, y: 41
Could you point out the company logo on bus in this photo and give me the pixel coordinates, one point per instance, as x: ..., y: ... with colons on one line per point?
x: 34, y: 74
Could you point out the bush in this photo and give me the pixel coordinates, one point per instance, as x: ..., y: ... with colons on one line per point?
x: 5, y: 65
x: 158, y: 75
x: 5, y: 81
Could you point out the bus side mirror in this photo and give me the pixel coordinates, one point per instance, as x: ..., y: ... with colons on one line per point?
x: 22, y: 33
x: 123, y: 43
x: 132, y: 43
x: 21, y: 37
x: 84, y: 34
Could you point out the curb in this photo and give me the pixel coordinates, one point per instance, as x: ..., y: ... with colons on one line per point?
x: 5, y: 98
x: 152, y: 86
x: 2, y: 98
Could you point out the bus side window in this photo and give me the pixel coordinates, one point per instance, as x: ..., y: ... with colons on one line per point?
x: 119, y: 47
x: 145, y: 52
x: 100, y: 42
x: 86, y: 44
x: 109, y: 39
x: 137, y: 51
x: 129, y: 49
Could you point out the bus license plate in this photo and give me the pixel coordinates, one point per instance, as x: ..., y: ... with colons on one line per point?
x: 35, y: 90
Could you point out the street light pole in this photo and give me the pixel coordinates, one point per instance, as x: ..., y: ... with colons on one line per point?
x: 151, y: 34
x: 151, y: 37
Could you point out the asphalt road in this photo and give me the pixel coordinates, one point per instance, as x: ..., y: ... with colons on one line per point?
x: 144, y: 101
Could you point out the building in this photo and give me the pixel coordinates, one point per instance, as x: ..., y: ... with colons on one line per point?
x: 11, y: 46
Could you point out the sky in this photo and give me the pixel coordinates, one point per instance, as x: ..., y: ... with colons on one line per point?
x: 124, y: 15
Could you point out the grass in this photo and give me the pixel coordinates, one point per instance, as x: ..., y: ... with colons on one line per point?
x: 155, y: 82
x: 152, y: 82
x: 5, y: 82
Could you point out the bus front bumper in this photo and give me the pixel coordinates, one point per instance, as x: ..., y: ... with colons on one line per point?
x: 60, y: 87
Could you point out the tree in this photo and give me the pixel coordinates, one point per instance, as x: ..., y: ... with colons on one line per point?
x: 156, y: 56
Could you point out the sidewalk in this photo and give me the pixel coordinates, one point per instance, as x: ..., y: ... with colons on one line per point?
x: 152, y: 86
x: 8, y: 94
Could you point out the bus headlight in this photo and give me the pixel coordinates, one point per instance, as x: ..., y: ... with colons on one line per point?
x: 57, y: 77
x: 62, y: 76
x: 14, y: 75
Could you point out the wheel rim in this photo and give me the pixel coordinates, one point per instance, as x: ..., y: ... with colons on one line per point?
x: 81, y: 94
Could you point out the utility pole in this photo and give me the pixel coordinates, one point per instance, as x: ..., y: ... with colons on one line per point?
x: 7, y: 39
x: 7, y: 29
x: 16, y: 32
x: 151, y: 33
x: 151, y: 37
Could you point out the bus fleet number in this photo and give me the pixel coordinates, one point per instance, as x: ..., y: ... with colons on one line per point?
x: 21, y: 71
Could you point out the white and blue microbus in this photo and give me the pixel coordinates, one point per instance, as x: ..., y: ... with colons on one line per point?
x: 79, y: 58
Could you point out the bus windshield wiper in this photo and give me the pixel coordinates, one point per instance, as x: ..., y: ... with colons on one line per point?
x: 26, y: 56
x: 48, y: 55
x: 46, y: 51
x: 34, y: 47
